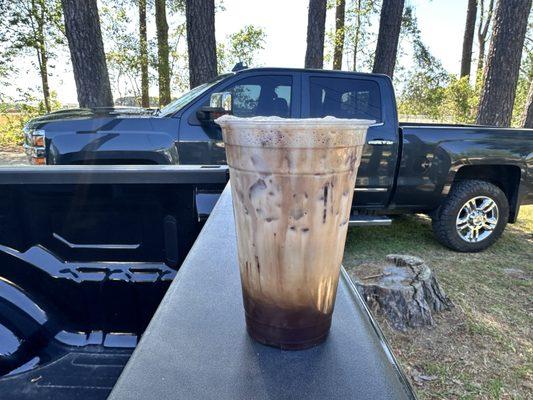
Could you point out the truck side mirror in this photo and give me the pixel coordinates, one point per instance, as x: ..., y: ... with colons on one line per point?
x: 219, y: 105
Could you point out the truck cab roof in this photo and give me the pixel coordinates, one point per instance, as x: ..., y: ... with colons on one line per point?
x: 309, y: 70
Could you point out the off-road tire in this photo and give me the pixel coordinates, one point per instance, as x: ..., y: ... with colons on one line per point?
x: 444, y: 219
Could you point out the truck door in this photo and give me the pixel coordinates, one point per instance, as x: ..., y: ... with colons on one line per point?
x: 360, y: 96
x: 262, y: 93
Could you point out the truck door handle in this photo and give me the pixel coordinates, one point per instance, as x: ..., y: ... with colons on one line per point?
x: 380, y: 142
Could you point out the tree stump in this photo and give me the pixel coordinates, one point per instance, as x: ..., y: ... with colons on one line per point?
x: 404, y: 290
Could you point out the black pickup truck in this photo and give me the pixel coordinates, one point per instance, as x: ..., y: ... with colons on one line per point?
x: 470, y: 179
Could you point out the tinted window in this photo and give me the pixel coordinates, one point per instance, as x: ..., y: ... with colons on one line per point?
x: 262, y: 95
x: 186, y: 98
x: 345, y: 98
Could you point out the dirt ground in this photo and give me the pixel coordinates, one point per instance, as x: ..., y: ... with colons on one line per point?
x: 483, y: 348
x: 13, y: 156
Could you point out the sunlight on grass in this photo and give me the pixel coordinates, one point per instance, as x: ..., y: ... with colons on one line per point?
x: 484, y: 347
x: 525, y: 219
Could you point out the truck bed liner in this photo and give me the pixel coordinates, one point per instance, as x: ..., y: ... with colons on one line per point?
x: 79, y: 374
x: 86, y: 254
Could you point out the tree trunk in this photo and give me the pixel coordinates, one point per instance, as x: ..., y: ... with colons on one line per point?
x: 470, y: 26
x: 200, y: 15
x: 339, y: 34
x: 82, y: 27
x: 503, y: 63
x: 316, y: 26
x: 43, y: 71
x: 404, y: 290
x: 40, y: 46
x: 163, y: 68
x: 389, y: 32
x: 527, y: 116
x: 143, y: 55
x: 481, y: 59
x: 482, y: 32
x: 357, y: 34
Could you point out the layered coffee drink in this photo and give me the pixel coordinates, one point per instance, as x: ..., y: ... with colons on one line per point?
x: 292, y: 183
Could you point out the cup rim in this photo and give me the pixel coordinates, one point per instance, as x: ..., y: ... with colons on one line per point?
x: 308, y: 122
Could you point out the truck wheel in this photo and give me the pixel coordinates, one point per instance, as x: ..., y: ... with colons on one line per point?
x: 472, y: 217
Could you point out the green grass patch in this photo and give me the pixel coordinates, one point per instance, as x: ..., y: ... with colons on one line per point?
x: 484, y: 347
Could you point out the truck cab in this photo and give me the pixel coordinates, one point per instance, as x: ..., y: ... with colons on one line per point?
x: 305, y: 94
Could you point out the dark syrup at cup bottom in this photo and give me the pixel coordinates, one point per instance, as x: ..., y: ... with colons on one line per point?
x: 287, y: 329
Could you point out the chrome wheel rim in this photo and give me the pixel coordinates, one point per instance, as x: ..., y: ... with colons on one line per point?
x: 477, y: 219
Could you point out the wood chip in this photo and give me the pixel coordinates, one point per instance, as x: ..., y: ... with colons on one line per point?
x: 374, y: 276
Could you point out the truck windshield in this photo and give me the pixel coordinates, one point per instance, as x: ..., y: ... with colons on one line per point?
x: 186, y: 98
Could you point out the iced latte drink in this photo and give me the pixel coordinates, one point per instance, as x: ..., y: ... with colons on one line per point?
x: 292, y: 183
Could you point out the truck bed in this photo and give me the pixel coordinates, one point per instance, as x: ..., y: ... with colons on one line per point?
x: 86, y: 254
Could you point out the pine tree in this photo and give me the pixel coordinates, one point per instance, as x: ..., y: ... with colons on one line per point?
x: 143, y: 55
x: 82, y: 28
x: 163, y: 68
x: 339, y: 34
x: 200, y: 15
x: 503, y: 62
x: 389, y: 32
x: 470, y: 26
x: 316, y: 26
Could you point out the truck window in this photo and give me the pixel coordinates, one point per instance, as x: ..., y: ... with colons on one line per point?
x: 186, y: 98
x: 262, y: 96
x: 344, y: 98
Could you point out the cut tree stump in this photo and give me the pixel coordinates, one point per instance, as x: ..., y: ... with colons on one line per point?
x: 404, y: 290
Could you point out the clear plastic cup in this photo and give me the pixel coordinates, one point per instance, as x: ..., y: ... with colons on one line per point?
x: 292, y: 183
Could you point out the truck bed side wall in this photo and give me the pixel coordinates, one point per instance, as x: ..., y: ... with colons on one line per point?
x: 436, y: 156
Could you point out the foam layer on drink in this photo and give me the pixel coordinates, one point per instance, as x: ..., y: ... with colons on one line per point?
x: 292, y: 185
x: 293, y: 133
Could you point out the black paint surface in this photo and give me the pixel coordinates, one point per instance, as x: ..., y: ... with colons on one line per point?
x: 196, y: 346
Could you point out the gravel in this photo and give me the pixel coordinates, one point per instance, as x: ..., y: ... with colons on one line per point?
x: 13, y: 158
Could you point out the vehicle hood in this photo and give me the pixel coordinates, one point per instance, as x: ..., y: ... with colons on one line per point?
x: 89, y: 113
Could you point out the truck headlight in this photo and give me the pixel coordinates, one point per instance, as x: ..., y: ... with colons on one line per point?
x: 37, y: 138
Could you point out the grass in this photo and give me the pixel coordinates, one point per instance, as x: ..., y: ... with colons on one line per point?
x: 483, y: 348
x: 11, y: 136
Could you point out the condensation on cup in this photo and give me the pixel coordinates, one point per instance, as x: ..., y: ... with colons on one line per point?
x: 292, y: 183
